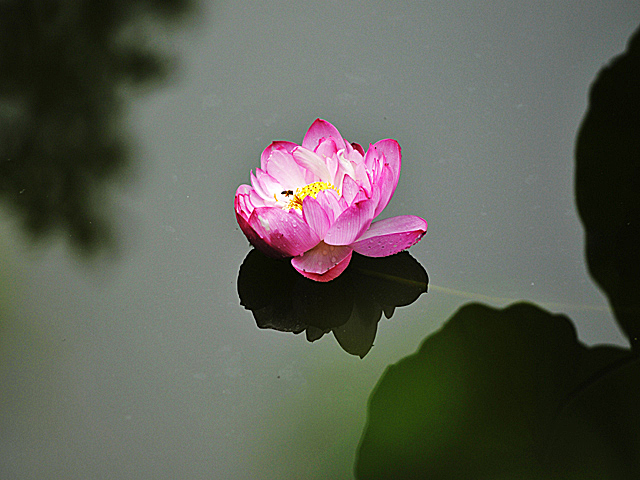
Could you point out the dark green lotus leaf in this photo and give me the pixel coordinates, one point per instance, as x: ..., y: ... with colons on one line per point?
x: 505, y: 394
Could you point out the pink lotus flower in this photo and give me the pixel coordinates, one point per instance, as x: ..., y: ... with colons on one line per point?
x: 315, y: 202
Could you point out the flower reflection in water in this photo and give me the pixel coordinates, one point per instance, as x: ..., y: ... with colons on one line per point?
x: 349, y: 306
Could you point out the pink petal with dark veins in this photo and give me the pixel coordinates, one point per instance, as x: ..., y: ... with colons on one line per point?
x: 315, y: 216
x: 353, y: 222
x: 331, y: 203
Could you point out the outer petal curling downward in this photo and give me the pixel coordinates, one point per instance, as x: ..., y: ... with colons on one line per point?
x: 330, y: 274
x: 390, y: 236
x: 321, y: 258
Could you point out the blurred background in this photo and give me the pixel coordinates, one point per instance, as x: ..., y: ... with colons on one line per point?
x: 125, y: 130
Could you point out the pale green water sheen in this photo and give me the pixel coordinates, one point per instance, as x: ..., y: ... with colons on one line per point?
x: 139, y: 362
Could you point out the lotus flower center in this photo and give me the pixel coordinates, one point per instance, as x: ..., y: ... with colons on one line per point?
x: 311, y: 189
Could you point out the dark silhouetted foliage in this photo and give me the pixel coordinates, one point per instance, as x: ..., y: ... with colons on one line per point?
x: 64, y: 65
x: 505, y: 394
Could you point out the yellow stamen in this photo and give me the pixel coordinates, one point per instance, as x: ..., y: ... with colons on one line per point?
x: 311, y: 189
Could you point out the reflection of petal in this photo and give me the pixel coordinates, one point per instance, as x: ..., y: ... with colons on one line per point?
x: 357, y: 335
x: 394, y: 281
x: 314, y: 333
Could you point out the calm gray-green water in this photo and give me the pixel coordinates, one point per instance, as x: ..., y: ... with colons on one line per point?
x: 137, y: 360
